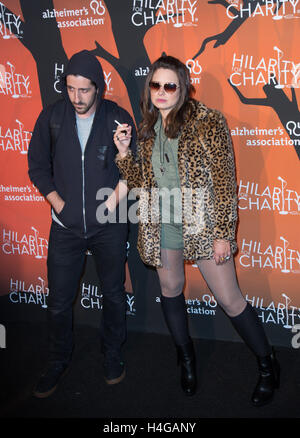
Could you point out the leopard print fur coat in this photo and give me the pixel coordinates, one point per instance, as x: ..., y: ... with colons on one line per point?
x: 208, y: 186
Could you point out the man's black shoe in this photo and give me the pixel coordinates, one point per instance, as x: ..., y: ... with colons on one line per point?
x: 49, y: 380
x: 114, y: 369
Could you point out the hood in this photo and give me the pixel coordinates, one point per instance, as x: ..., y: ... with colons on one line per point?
x: 87, y: 65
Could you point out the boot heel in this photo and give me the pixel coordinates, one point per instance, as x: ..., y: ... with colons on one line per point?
x: 269, y: 380
x: 186, y: 358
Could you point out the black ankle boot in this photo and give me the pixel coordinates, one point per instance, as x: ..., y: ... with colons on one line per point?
x: 186, y: 358
x: 269, y: 373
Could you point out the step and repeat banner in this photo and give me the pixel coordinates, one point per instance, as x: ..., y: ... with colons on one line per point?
x: 243, y: 56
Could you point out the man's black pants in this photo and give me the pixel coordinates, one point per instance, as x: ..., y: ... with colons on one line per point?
x: 66, y: 257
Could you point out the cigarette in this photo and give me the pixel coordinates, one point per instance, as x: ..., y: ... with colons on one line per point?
x: 120, y: 124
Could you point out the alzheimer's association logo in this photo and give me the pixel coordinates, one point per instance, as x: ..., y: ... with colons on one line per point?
x: 195, y: 70
x: 97, y: 7
x: 85, y: 16
x: 27, y: 244
x: 293, y: 127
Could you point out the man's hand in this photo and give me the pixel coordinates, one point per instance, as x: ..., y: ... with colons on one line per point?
x: 56, y: 201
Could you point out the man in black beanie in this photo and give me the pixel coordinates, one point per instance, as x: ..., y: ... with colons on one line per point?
x: 71, y: 157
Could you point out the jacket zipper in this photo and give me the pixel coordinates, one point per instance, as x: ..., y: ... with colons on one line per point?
x: 83, y: 197
x: 83, y: 185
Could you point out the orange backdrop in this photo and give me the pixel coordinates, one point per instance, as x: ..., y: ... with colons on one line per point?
x: 244, y: 60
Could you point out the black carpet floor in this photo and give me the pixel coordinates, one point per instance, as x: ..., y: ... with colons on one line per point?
x: 227, y: 375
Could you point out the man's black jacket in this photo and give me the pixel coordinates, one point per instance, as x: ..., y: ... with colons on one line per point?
x: 62, y: 167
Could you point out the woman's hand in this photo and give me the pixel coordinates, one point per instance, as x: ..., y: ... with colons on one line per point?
x: 122, y: 139
x: 222, y: 252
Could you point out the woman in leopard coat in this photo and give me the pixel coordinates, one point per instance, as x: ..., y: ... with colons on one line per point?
x: 184, y: 172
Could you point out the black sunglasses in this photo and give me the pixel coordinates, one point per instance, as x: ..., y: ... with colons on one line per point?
x: 169, y: 87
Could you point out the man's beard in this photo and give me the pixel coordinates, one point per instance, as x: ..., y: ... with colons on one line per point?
x: 83, y: 108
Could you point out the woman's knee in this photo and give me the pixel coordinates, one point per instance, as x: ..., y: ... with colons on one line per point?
x: 171, y: 288
x: 233, y: 306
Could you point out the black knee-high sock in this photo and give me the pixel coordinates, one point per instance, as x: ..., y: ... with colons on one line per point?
x: 249, y: 327
x: 174, y: 310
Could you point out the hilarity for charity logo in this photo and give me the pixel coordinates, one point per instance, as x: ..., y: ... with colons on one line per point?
x: 22, y: 292
x: 9, y: 24
x: 275, y: 70
x: 278, y: 197
x: 15, y: 138
x: 13, y: 83
x: 281, y: 313
x: 27, y: 244
x: 92, y: 298
x: 176, y: 12
x: 257, y: 254
x: 277, y: 9
x: 59, y: 71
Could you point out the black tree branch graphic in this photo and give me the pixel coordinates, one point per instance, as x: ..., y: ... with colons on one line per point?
x: 223, y: 37
x: 43, y: 40
x: 287, y: 110
x: 130, y: 44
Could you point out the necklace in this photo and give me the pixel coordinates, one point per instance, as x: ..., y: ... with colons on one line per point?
x: 162, y: 154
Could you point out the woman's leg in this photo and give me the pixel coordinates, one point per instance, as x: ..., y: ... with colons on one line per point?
x: 171, y: 277
x: 221, y: 279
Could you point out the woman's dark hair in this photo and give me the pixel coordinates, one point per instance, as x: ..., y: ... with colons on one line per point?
x: 181, y: 110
